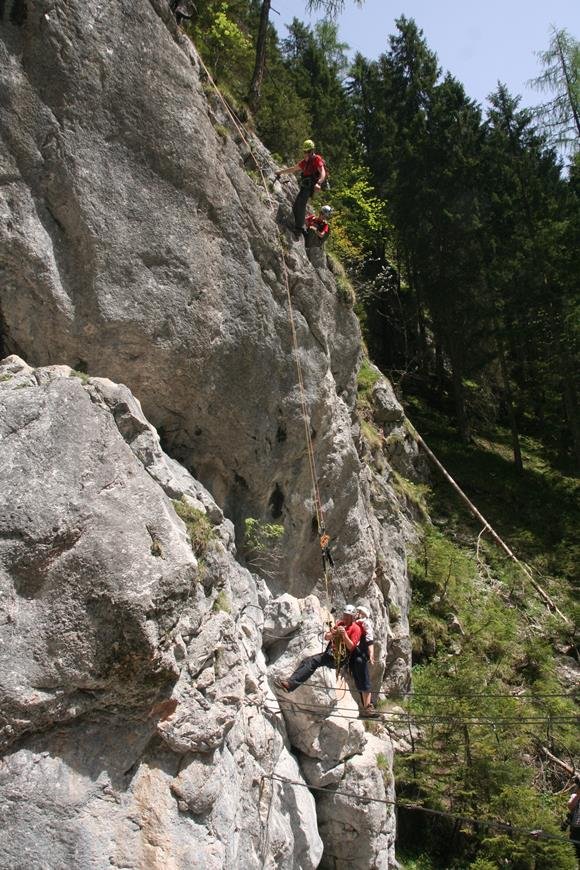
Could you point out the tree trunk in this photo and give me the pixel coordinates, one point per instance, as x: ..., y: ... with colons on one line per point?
x: 460, y: 410
x: 509, y: 399
x: 573, y: 417
x: 569, y: 380
x: 256, y: 84
x: 439, y: 366
x: 570, y: 87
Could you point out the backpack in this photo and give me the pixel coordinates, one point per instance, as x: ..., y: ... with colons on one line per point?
x: 326, y: 183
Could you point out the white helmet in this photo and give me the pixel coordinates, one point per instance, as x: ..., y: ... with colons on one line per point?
x: 326, y: 210
x: 349, y: 610
x: 364, y: 610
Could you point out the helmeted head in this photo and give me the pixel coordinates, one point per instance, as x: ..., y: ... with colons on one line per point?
x: 363, y: 611
x: 308, y: 145
x: 326, y: 211
x: 349, y: 613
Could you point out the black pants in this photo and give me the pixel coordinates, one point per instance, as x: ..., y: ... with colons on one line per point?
x: 301, y: 202
x: 357, y: 665
x: 308, y: 666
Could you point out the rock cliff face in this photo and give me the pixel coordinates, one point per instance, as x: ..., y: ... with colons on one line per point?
x: 137, y: 720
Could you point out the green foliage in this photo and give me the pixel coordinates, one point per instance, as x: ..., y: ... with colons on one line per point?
x: 413, y: 493
x: 259, y: 537
x: 6, y: 377
x: 199, y: 528
x: 394, y: 612
x: 383, y: 762
x: 283, y: 120
x: 415, y: 862
x: 537, y: 511
x: 82, y: 376
x: 477, y: 744
x: 221, y: 603
x: 371, y: 434
x: 222, y: 131
x: 361, y: 220
x: 561, y: 78
x: 367, y: 377
x: 156, y: 547
x: 344, y: 289
x: 224, y: 44
x: 317, y: 63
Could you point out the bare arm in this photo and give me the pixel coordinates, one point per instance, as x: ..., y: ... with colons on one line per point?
x: 290, y: 169
x: 341, y: 632
x: 574, y: 801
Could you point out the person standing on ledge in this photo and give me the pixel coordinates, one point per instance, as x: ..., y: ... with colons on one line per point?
x: 312, y: 175
x: 342, y: 650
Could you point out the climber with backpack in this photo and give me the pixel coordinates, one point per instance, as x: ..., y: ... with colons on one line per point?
x: 366, y: 651
x: 317, y: 227
x: 342, y: 651
x: 313, y: 176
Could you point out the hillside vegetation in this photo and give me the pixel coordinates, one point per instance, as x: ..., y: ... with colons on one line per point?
x: 491, y: 694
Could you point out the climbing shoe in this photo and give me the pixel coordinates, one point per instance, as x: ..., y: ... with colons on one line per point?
x: 369, y: 713
x: 283, y: 684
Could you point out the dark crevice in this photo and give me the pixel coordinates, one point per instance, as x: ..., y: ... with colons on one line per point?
x: 18, y: 13
x: 240, y: 481
x: 3, y: 330
x: 276, y: 502
x: 7, y: 345
x: 281, y: 435
x: 54, y: 217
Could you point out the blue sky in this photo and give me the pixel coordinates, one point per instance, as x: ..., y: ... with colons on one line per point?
x: 478, y: 42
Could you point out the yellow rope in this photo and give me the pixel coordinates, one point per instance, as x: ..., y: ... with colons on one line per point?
x: 320, y: 520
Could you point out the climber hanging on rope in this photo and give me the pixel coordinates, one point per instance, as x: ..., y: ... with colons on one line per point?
x: 342, y: 650
x: 312, y: 171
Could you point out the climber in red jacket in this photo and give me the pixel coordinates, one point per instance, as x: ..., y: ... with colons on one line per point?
x: 343, y: 649
x: 312, y: 171
x: 317, y: 227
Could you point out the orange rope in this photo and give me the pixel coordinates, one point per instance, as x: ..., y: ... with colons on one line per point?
x: 324, y: 539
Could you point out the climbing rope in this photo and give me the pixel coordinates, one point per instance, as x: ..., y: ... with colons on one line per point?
x: 324, y: 539
x: 364, y: 799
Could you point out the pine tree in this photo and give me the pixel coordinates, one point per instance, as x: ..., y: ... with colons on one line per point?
x: 331, y: 8
x: 561, y: 76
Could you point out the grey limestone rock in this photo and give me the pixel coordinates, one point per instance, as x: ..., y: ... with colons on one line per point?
x: 387, y: 408
x: 134, y: 244
x: 282, y: 616
x: 133, y: 729
x: 361, y: 832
